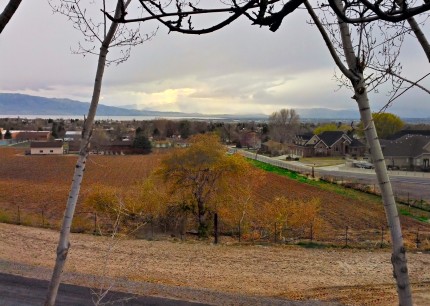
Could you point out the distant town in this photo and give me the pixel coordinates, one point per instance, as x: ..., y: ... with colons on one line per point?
x: 406, y: 146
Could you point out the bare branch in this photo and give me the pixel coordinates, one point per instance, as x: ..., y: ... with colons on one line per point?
x: 8, y: 12
x: 328, y: 42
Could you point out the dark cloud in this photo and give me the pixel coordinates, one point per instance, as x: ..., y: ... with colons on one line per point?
x: 243, y: 68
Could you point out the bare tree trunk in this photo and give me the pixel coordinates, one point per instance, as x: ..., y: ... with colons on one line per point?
x: 64, y: 243
x: 8, y: 12
x: 202, y: 218
x: 354, y: 72
x: 398, y: 258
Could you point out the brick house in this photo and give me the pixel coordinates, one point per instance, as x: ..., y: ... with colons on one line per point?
x: 329, y: 143
x: 409, y: 152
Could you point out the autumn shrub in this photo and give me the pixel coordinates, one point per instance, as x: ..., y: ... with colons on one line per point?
x: 295, y: 216
x: 4, y: 217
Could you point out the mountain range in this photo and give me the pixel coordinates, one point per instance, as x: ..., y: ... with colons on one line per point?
x: 20, y: 104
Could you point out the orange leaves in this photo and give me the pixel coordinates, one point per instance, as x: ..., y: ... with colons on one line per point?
x: 293, y: 214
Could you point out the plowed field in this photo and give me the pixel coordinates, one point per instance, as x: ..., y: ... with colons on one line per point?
x: 36, y: 183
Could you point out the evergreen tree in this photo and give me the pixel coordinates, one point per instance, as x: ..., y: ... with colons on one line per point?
x: 8, y: 135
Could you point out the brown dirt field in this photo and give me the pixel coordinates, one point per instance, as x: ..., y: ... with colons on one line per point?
x: 36, y: 183
x: 353, y: 277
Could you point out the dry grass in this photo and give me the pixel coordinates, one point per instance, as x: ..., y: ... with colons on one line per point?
x: 322, y: 161
x: 350, y: 276
x: 354, y: 277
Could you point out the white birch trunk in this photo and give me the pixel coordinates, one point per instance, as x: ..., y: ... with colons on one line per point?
x: 398, y: 258
x: 64, y: 243
x: 8, y: 12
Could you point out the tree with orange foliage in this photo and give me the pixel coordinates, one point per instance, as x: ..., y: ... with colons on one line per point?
x: 199, y: 172
x: 236, y: 205
x: 296, y: 214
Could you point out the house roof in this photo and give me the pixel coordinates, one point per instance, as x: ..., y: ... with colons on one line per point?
x: 408, y: 145
x: 306, y: 136
x: 46, y: 144
x: 31, y: 134
x: 409, y: 132
x: 356, y: 143
x: 331, y: 137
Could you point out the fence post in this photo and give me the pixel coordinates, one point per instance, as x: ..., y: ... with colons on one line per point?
x: 417, y: 240
x: 19, y: 216
x: 346, y: 236
x: 216, y: 228
x: 312, y: 233
x: 240, y: 232
x: 95, y: 222
x: 382, y: 236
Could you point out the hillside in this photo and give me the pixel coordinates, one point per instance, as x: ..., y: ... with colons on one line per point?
x: 362, y: 214
x: 19, y: 104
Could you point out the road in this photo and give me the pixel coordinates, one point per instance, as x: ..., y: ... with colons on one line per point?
x: 405, y: 184
x: 22, y: 291
x: 413, y: 185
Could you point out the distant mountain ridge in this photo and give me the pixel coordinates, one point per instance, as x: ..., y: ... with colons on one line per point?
x: 21, y: 104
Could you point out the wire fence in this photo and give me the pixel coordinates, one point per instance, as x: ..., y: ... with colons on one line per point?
x: 91, y: 222
x: 363, y: 184
x: 84, y: 221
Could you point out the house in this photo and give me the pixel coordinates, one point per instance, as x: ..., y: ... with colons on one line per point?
x: 116, y: 147
x: 20, y: 136
x: 409, y: 132
x: 46, y: 148
x: 250, y: 139
x: 328, y: 143
x: 31, y: 135
x: 72, y: 135
x: 409, y: 152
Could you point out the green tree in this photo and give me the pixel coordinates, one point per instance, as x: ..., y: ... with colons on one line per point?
x: 326, y: 127
x: 199, y: 173
x: 184, y: 128
x: 142, y: 142
x: 8, y: 134
x: 386, y: 124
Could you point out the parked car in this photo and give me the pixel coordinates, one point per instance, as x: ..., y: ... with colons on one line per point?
x: 393, y: 167
x: 364, y: 165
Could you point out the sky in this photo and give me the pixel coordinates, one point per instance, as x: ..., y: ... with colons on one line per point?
x: 241, y: 69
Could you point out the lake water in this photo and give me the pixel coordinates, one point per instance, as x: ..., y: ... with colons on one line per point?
x: 113, y: 118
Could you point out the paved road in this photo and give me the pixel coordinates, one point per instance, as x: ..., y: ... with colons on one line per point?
x: 22, y: 291
x: 417, y: 186
x: 414, y: 184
